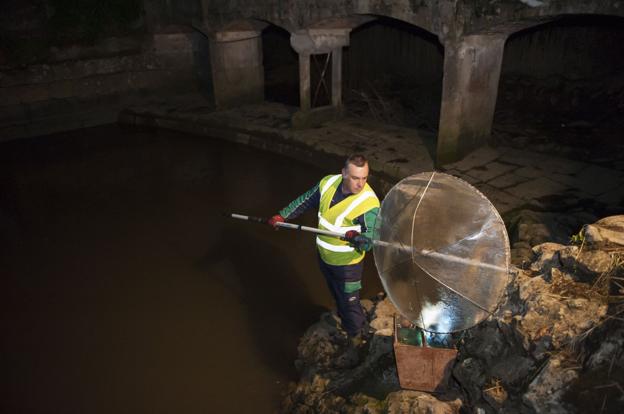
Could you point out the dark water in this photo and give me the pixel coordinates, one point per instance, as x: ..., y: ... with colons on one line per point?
x: 123, y: 289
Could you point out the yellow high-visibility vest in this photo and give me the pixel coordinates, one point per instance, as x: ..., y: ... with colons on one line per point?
x: 340, y: 218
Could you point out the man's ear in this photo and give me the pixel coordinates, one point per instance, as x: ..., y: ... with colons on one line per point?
x: 344, y: 173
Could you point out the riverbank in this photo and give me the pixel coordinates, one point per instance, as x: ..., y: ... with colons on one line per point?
x: 542, y: 197
x: 553, y: 346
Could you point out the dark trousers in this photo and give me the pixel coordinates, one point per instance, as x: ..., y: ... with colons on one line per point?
x: 348, y: 304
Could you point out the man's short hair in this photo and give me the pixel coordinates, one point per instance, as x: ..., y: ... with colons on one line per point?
x: 359, y: 160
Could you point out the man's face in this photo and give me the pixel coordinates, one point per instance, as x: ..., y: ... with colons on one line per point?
x: 354, y: 178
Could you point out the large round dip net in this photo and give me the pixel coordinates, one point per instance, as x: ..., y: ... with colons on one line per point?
x: 442, y: 252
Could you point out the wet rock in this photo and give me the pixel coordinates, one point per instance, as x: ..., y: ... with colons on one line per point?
x: 496, y: 396
x: 383, y: 318
x: 547, y: 257
x: 521, y: 254
x: 513, y: 371
x: 545, y: 393
x: 309, y: 397
x: 541, y: 348
x: 554, y: 312
x: 385, y: 309
x: 320, y: 348
x: 609, y: 230
x: 537, y: 227
x: 415, y: 402
x: 534, y: 233
x: 487, y: 341
x: 367, y: 405
x: 383, y: 325
x: 368, y: 306
x: 585, y: 264
x: 470, y: 374
x: 534, y: 227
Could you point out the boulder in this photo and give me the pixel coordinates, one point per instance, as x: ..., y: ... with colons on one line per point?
x: 470, y: 374
x: 416, y: 402
x: 513, y: 371
x: 320, y: 347
x: 560, y: 310
x: 584, y: 263
x: 383, y: 318
x: 495, y: 396
x: 607, y: 231
x: 546, y: 391
x: 547, y: 257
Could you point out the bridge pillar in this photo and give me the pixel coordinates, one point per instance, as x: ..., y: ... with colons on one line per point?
x: 319, y: 41
x: 337, y: 77
x: 237, y: 70
x: 472, y: 67
x: 304, y: 81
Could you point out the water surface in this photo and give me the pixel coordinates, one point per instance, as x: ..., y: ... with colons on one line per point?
x: 124, y: 289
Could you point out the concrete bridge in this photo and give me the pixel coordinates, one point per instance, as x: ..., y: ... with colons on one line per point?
x: 473, y: 34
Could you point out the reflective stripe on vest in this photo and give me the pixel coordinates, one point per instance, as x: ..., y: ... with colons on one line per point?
x: 329, y: 183
x: 333, y: 247
x: 340, y: 218
x: 337, y: 229
x: 359, y: 200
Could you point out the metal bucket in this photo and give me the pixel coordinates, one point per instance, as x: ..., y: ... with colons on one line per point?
x: 422, y: 368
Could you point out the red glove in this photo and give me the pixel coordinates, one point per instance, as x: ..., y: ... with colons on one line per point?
x: 355, y: 239
x: 351, y: 235
x: 274, y: 220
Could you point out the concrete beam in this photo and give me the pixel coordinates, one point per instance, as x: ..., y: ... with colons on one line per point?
x: 319, y: 41
x: 472, y: 67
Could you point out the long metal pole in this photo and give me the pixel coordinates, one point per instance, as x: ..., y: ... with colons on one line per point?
x: 290, y: 226
x: 406, y: 249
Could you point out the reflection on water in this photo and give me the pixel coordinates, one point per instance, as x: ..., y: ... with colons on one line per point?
x: 124, y: 289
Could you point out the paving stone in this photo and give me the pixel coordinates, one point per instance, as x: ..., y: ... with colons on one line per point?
x: 614, y: 198
x: 489, y: 171
x: 472, y: 180
x: 529, y: 172
x: 502, y: 200
x: 477, y: 158
x: 524, y: 158
x: 563, y: 166
x: 536, y: 188
x: 565, y: 179
x: 598, y: 180
x: 452, y: 171
x: 507, y: 180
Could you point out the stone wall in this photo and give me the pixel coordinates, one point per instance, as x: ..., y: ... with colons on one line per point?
x: 577, y: 48
x: 93, y: 83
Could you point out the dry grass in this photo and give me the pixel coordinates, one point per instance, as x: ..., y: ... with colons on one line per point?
x: 610, y: 284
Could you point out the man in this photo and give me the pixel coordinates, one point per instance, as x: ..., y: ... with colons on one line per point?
x: 346, y: 204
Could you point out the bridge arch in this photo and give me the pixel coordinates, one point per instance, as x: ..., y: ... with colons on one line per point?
x: 564, y: 81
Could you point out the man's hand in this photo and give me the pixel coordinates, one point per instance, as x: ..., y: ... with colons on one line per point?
x: 351, y: 235
x: 274, y: 220
x: 355, y: 239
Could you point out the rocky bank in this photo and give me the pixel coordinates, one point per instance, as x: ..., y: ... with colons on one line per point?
x: 555, y: 344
